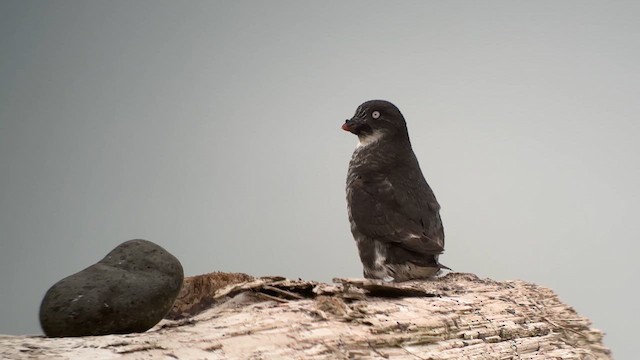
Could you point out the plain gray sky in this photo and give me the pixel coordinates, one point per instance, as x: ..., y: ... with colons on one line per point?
x: 213, y: 129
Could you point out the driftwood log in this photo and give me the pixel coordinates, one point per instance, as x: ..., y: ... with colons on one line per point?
x: 236, y: 316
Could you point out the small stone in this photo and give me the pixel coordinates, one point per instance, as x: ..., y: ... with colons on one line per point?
x: 128, y: 291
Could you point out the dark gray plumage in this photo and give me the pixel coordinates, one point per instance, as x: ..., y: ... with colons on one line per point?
x: 393, y: 212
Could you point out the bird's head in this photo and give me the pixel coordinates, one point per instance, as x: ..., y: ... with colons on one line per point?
x: 374, y: 120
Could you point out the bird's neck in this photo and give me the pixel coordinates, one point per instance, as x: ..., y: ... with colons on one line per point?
x: 380, y: 156
x: 369, y: 139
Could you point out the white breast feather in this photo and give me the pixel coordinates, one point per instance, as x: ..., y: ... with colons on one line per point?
x: 369, y: 139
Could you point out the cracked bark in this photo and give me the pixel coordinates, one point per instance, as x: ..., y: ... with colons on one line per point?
x: 235, y: 316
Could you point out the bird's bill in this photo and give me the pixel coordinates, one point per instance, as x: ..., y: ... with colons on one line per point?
x: 355, y: 125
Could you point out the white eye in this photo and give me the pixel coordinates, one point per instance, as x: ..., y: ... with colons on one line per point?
x: 375, y: 114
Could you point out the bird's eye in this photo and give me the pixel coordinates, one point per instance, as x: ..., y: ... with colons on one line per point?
x: 375, y: 114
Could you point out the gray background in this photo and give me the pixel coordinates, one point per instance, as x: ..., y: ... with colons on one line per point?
x: 213, y: 129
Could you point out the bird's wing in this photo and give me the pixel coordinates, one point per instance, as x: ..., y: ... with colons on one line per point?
x: 398, y: 209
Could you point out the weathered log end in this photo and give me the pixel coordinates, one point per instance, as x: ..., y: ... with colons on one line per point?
x: 458, y: 316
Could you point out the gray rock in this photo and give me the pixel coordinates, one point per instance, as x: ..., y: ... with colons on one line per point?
x: 130, y: 290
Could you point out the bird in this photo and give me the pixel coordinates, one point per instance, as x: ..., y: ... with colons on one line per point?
x: 394, y: 215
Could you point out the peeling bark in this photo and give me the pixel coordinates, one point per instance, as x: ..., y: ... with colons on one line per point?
x: 457, y: 316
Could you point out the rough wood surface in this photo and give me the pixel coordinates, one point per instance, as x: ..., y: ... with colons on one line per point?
x: 197, y: 292
x: 457, y: 316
